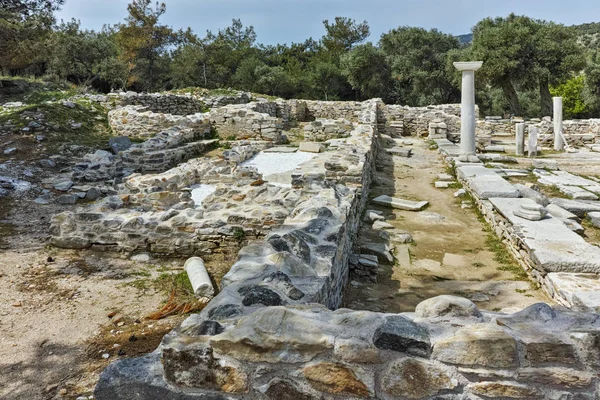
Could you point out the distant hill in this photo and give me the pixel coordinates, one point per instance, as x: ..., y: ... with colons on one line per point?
x: 589, y: 35
x: 465, y: 39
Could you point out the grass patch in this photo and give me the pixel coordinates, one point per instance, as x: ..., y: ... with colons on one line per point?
x: 178, y: 283
x: 94, y: 130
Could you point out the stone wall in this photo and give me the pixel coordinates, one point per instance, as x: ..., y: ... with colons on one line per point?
x: 248, y: 121
x: 333, y: 109
x: 137, y: 122
x: 164, y: 103
x: 577, y: 132
x: 414, y: 121
x: 271, y: 333
x: 167, y: 149
x: 321, y: 129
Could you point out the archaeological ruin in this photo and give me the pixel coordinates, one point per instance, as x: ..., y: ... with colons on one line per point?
x: 308, y: 196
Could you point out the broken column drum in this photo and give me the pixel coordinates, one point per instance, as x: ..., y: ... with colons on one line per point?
x: 520, y: 139
x: 467, y: 110
x: 558, y: 123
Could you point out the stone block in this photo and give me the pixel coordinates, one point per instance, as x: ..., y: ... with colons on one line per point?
x: 400, y: 334
x: 480, y: 345
x: 416, y: 379
x: 401, y: 204
x: 336, y: 379
x: 311, y: 147
x: 448, y: 307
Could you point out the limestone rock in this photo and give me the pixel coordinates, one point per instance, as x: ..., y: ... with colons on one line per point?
x: 449, y: 307
x: 284, y: 390
x: 311, y: 147
x: 401, y: 204
x: 479, y: 345
x: 415, y: 379
x: 400, y: 334
x: 273, y: 334
x: 356, y: 351
x: 565, y: 377
x: 260, y: 295
x: 335, y: 379
x: 511, y: 390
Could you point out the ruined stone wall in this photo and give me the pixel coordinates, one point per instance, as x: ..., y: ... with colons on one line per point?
x: 414, y: 121
x: 271, y: 333
x: 155, y: 212
x: 248, y: 121
x: 137, y: 122
x: 321, y: 129
x: 164, y: 103
x: 333, y: 109
x: 168, y: 148
x: 577, y: 132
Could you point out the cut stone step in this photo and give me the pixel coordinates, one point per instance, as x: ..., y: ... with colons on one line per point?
x: 281, y: 150
x: 400, y: 204
x: 400, y: 151
x: 443, y: 184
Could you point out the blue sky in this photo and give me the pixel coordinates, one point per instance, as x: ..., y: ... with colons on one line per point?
x: 286, y: 21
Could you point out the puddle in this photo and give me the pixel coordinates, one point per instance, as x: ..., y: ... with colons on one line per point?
x: 276, y: 163
x: 201, y: 192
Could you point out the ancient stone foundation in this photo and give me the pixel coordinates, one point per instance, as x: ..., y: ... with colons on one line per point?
x: 275, y: 331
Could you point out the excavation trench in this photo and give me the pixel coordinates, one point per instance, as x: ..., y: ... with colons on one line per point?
x: 453, y: 252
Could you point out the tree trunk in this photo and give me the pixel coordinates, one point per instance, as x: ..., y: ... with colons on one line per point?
x: 545, y: 98
x: 511, y: 95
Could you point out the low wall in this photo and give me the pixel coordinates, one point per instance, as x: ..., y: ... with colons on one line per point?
x: 333, y: 109
x: 248, y: 121
x: 321, y: 129
x: 271, y: 333
x: 414, y: 121
x: 136, y: 122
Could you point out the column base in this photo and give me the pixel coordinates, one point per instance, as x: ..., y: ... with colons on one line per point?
x: 469, y: 158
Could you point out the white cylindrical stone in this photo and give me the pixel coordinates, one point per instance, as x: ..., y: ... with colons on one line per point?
x: 532, y: 141
x: 520, y: 138
x: 467, y: 109
x: 199, y: 278
x: 558, y: 123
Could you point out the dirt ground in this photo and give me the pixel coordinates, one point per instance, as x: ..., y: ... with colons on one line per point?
x: 65, y: 314
x: 453, y: 251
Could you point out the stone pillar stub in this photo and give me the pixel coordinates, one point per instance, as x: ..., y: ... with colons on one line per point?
x: 467, y: 110
x: 520, y: 139
x: 558, y: 123
x: 532, y: 141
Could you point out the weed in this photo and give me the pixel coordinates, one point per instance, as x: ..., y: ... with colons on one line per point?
x: 521, y: 291
x: 238, y: 233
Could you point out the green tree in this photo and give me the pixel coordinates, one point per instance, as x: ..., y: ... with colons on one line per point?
x: 557, y: 57
x: 343, y: 34
x: 506, y: 47
x: 327, y: 79
x: 26, y: 33
x: 418, y: 59
x: 144, y: 45
x: 88, y: 57
x: 572, y: 92
x: 367, y: 70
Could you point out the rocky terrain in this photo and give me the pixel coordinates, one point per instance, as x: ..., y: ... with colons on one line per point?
x: 351, y: 254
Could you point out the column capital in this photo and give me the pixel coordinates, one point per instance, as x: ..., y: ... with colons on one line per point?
x: 468, y: 65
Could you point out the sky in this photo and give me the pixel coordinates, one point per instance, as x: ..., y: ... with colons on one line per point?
x: 287, y: 21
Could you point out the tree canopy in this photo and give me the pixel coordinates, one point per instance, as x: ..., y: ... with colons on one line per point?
x: 526, y: 60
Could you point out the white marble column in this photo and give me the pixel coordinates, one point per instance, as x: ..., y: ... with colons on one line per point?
x: 520, y: 139
x: 467, y: 110
x: 558, y: 123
